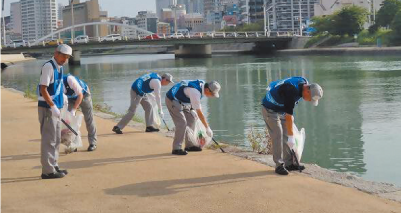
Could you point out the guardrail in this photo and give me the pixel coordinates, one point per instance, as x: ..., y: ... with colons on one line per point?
x: 196, y: 35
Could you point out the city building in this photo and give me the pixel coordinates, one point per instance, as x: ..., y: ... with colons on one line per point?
x: 38, y: 18
x: 251, y: 11
x: 289, y: 16
x: 160, y: 5
x: 147, y: 20
x: 85, y: 12
x: 212, y: 12
x: 163, y: 28
x: 193, y: 22
x: 16, y: 17
x: 229, y: 21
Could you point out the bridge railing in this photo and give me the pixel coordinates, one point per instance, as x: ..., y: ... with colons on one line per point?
x: 171, y: 36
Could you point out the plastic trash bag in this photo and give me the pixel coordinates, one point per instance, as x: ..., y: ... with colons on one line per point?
x: 299, y: 141
x: 68, y: 138
x: 156, y: 118
x: 198, y: 136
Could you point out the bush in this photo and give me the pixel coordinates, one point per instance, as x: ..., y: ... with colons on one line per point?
x: 315, y: 39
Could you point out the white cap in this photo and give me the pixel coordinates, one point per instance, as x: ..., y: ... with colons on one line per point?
x: 316, y: 93
x: 214, y: 87
x: 168, y: 77
x: 65, y: 49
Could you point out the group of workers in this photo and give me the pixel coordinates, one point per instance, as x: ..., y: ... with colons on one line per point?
x: 183, y: 102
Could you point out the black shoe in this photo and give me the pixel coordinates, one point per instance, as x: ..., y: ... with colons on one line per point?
x: 193, y: 149
x: 293, y: 167
x: 117, y: 130
x: 92, y: 147
x: 281, y: 170
x: 179, y: 152
x: 61, y: 171
x: 151, y: 129
x: 53, y: 175
x: 76, y: 150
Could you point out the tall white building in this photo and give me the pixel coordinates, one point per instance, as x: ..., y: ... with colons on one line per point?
x: 15, y: 17
x: 147, y: 20
x: 39, y: 18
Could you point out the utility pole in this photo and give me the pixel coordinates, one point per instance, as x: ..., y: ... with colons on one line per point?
x: 4, y: 24
x: 72, y: 22
x: 300, y: 18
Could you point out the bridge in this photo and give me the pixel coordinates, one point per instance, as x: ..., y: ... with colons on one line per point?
x: 191, y: 45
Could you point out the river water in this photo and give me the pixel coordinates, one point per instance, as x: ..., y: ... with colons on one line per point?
x: 354, y: 129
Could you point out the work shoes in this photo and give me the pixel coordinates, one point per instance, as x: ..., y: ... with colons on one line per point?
x: 151, y: 129
x: 53, y: 175
x: 281, y: 170
x: 61, y: 171
x: 293, y: 167
x: 117, y: 130
x: 92, y: 147
x: 193, y: 149
x: 179, y: 152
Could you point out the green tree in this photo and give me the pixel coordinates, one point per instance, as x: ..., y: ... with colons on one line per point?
x: 396, y: 27
x: 348, y: 21
x: 387, y: 12
x: 322, y: 24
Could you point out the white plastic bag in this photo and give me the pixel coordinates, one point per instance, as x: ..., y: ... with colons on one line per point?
x: 68, y: 138
x: 299, y: 137
x: 198, y: 136
x: 156, y: 118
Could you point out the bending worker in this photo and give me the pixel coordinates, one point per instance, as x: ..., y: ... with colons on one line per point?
x: 278, y: 109
x: 180, y: 100
x: 79, y: 95
x: 50, y: 101
x: 140, y: 89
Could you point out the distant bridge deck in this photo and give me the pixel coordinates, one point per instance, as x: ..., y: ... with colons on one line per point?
x: 161, y: 41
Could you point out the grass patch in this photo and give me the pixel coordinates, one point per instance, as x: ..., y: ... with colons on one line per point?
x: 30, y: 92
x: 315, y: 39
x: 366, y: 38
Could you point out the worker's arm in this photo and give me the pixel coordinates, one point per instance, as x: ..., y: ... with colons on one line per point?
x: 74, y: 85
x: 289, y: 120
x: 45, y: 95
x: 78, y: 101
x: 202, y: 118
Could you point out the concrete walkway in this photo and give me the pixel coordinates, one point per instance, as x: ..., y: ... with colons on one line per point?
x: 135, y: 172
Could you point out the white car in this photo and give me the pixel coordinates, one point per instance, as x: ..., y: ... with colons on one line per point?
x: 81, y: 39
x: 112, y: 37
x: 17, y: 43
x: 177, y: 35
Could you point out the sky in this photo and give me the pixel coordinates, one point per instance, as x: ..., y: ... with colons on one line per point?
x: 119, y: 8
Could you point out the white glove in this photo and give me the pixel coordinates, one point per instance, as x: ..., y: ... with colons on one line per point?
x: 55, y: 111
x: 291, y: 142
x: 209, y: 132
x: 73, y: 111
x: 161, y: 113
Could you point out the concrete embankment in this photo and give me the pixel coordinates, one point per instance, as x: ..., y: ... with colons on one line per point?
x: 135, y: 172
x: 343, y: 51
x: 9, y: 59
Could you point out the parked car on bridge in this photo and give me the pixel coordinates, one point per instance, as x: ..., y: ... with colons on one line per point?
x: 177, y: 35
x: 81, y: 39
x: 153, y: 36
x: 112, y: 37
x: 17, y: 43
x: 54, y: 42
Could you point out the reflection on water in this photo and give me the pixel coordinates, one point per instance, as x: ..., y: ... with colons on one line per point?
x: 354, y: 128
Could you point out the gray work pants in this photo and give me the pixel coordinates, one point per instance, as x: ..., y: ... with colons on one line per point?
x: 182, y: 119
x: 275, y: 123
x: 147, y: 107
x: 50, y: 130
x: 87, y: 109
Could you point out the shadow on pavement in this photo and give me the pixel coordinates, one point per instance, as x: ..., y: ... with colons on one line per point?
x: 168, y: 187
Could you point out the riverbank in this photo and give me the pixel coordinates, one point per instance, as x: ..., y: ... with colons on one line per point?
x: 9, y: 59
x: 371, y: 51
x: 135, y: 172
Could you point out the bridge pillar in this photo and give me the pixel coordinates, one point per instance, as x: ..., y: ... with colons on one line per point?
x: 76, y: 58
x: 193, y: 51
